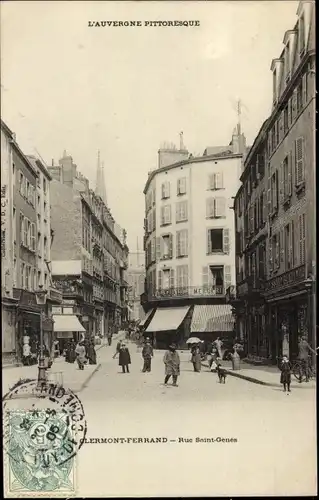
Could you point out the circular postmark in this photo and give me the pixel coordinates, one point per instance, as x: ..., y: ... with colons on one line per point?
x: 42, y: 437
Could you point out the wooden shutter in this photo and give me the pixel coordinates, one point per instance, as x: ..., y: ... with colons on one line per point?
x: 170, y: 246
x: 33, y: 236
x: 160, y: 279
x: 292, y: 243
x: 289, y: 112
x: 171, y: 278
x: 186, y: 242
x: 158, y: 248
x: 154, y: 219
x: 270, y: 254
x: 299, y: 160
x: 162, y: 216
x: 302, y: 237
x: 185, y: 210
x: 281, y: 179
x: 205, y: 276
x: 281, y: 126
x: 211, y: 181
x: 304, y: 90
x: 252, y: 218
x: 219, y: 180
x: 289, y: 187
x: 163, y: 190
x: 178, y: 188
x: 178, y: 243
x: 210, y: 207
x: 282, y: 264
x: 209, y: 241
x: 227, y: 277
x: 226, y: 241
x: 220, y: 207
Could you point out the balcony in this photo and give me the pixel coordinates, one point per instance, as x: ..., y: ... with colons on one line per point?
x: 187, y: 292
x: 69, y: 289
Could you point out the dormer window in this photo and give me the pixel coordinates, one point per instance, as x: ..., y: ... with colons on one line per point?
x: 274, y: 85
x: 287, y: 61
x: 301, y: 35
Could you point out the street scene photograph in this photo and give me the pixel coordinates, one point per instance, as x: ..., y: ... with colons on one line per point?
x: 158, y: 249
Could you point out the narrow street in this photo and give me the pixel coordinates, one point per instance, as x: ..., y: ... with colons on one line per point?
x: 274, y: 432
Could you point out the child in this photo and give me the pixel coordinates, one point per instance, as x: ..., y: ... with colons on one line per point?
x: 285, y: 377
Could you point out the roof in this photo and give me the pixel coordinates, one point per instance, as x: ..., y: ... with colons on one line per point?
x: 214, y: 150
x: 66, y: 267
x: 222, y: 156
x: 36, y: 163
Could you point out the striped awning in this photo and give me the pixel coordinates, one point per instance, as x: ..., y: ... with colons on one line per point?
x: 167, y: 318
x: 212, y: 318
x: 144, y: 320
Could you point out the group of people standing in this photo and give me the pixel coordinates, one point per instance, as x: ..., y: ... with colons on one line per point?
x: 84, y: 352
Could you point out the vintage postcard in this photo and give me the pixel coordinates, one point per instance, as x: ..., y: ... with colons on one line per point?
x: 158, y: 255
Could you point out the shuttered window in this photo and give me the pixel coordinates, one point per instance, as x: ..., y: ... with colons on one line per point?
x: 216, y: 207
x: 182, y: 243
x: 205, y: 276
x: 216, y: 181
x: 181, y: 211
x: 181, y: 186
x: 182, y: 276
x: 302, y: 238
x: 165, y: 190
x: 153, y: 253
x: 227, y: 277
x: 158, y: 248
x: 166, y: 215
x: 299, y: 164
x: 33, y: 237
x: 226, y: 243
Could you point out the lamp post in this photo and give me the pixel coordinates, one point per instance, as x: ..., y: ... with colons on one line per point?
x: 41, y: 297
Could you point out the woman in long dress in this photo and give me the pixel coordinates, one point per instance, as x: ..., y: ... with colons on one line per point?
x: 196, y: 359
x: 80, y: 355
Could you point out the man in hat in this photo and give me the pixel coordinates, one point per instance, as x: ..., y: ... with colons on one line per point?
x: 172, y: 364
x: 147, y: 354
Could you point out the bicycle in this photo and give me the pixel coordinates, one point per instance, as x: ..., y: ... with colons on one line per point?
x: 299, y: 370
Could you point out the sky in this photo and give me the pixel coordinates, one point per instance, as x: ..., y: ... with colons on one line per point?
x: 126, y: 90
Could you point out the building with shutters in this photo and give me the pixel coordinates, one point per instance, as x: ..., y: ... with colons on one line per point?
x: 25, y: 265
x: 189, y: 239
x: 275, y: 208
x: 136, y: 279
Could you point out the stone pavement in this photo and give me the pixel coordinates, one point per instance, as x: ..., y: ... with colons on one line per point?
x: 263, y: 375
x: 67, y: 374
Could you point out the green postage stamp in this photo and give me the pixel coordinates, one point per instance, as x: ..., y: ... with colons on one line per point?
x: 39, y: 454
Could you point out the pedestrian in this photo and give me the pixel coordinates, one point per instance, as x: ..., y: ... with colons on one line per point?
x: 109, y: 337
x: 124, y: 358
x: 303, y: 355
x: 118, y: 347
x: 196, y: 359
x: 285, y: 377
x: 172, y: 364
x: 91, y: 353
x: 72, y: 354
x: 219, y: 344
x: 147, y: 354
x: 26, y: 354
x: 80, y: 354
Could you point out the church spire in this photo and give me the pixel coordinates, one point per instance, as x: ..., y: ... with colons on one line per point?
x: 100, y: 180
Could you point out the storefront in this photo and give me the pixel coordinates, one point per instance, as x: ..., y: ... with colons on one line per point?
x: 167, y: 326
x: 67, y: 327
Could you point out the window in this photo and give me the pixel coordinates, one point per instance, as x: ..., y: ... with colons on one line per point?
x: 27, y: 276
x: 181, y: 211
x: 287, y: 61
x: 216, y: 207
x: 301, y: 35
x: 14, y: 223
x: 22, y: 275
x: 45, y: 281
x: 261, y: 261
x: 299, y: 158
x: 45, y: 247
x: 35, y: 279
x: 274, y: 85
x: 289, y: 247
x: 217, y: 241
x: 182, y: 243
x: 13, y: 174
x: 40, y: 278
x: 165, y: 190
x: 302, y: 238
x: 27, y: 191
x: 25, y: 232
x: 44, y: 185
x: 21, y: 184
x: 14, y: 273
x: 286, y: 121
x: 166, y: 279
x: 275, y: 251
x: 215, y: 278
x: 274, y: 191
x: 215, y: 181
x: 287, y: 177
x: 299, y: 96
x: 262, y: 214
x: 166, y: 215
x: 33, y: 238
x: 181, y: 186
x: 167, y: 246
x: 182, y: 276
x: 153, y: 250
x: 28, y: 242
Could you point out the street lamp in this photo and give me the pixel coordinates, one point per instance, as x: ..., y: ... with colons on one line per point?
x: 41, y: 298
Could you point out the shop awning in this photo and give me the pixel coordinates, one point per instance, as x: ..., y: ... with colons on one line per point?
x: 212, y: 318
x: 67, y: 323
x: 167, y: 318
x: 144, y: 320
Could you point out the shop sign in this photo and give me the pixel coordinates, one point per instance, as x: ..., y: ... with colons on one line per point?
x: 28, y: 298
x: 66, y: 302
